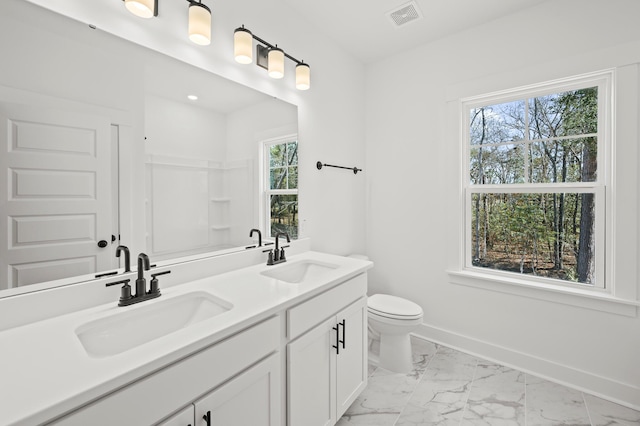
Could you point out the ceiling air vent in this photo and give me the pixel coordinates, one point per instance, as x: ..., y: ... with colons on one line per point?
x: 404, y: 14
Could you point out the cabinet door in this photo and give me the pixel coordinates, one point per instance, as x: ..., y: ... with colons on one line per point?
x: 310, y: 377
x: 351, y: 360
x: 251, y: 398
x: 182, y: 418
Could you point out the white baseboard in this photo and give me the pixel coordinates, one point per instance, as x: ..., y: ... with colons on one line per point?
x: 612, y: 390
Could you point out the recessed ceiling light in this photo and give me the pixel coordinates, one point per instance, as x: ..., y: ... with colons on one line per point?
x: 192, y: 97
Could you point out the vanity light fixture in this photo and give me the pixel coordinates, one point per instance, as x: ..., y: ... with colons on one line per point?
x: 199, y: 17
x: 275, y: 62
x: 142, y: 8
x: 243, y: 45
x: 268, y: 56
x: 199, y: 23
x: 303, y: 76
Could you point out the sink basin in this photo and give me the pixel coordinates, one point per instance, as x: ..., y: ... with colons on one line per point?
x: 128, y: 329
x: 299, y: 271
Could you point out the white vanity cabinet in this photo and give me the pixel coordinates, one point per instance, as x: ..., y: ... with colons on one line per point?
x: 295, y: 355
x: 151, y: 399
x: 252, y: 398
x: 327, y: 365
x: 183, y: 418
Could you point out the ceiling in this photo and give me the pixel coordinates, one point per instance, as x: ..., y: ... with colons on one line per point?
x: 364, y: 29
x: 214, y: 92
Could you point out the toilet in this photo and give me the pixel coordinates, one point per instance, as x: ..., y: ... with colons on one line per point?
x: 391, y: 319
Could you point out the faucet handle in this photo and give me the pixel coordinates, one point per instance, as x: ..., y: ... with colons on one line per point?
x: 125, y: 291
x: 270, y: 259
x: 154, y: 289
x: 282, y: 256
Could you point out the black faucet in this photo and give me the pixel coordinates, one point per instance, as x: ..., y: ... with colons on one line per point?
x: 127, y: 257
x: 141, y: 283
x: 126, y: 298
x: 142, y: 294
x: 278, y: 255
x: 259, y: 236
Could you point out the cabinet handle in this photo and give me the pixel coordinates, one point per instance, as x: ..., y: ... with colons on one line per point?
x: 337, y: 345
x: 344, y: 332
x: 207, y: 417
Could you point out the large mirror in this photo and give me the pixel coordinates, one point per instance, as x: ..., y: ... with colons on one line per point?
x: 102, y: 146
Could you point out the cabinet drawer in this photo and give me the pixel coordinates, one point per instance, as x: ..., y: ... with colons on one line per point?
x: 152, y: 398
x: 302, y: 317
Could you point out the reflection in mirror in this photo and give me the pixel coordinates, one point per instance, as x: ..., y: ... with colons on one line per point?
x: 93, y: 124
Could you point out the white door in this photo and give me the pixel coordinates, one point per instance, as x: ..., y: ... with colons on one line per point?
x: 311, y: 363
x: 55, y: 194
x: 250, y: 399
x: 351, y: 361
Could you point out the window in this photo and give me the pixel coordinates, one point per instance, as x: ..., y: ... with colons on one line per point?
x: 281, y: 186
x: 535, y: 184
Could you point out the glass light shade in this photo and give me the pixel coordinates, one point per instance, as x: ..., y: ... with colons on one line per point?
x: 243, y: 46
x: 276, y: 63
x: 303, y: 76
x: 141, y: 8
x: 199, y: 24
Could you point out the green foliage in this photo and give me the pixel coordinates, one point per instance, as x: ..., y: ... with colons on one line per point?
x: 550, y: 141
x: 283, y: 175
x: 284, y: 215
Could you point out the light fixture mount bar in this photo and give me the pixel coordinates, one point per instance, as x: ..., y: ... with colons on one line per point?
x: 271, y: 46
x: 198, y: 3
x: 268, y: 56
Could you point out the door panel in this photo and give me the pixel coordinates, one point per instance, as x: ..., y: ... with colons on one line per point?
x: 55, y: 194
x: 351, y: 363
x: 311, y: 365
x: 252, y: 398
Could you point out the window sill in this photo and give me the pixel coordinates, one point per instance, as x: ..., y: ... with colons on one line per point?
x: 568, y: 296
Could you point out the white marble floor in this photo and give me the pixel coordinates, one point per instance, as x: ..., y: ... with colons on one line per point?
x: 447, y: 387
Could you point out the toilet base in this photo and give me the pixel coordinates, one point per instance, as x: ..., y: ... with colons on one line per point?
x: 395, y: 353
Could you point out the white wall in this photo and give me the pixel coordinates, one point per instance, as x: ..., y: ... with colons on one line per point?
x: 413, y: 187
x: 180, y: 130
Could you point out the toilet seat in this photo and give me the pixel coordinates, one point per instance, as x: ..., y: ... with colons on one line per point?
x: 392, y: 307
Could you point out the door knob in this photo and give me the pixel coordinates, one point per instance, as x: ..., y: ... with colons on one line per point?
x: 102, y: 243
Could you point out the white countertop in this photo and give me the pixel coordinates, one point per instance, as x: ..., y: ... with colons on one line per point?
x: 45, y: 371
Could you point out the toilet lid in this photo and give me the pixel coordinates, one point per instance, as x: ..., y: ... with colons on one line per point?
x: 393, y: 307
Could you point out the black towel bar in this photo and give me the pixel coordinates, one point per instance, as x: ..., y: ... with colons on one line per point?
x: 319, y: 165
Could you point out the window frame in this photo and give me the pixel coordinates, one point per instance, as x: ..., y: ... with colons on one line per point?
x: 603, y: 231
x: 265, y: 180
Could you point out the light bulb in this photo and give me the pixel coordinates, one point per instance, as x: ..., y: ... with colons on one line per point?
x: 276, y: 63
x: 142, y: 8
x: 243, y: 45
x: 303, y: 76
x: 199, y: 24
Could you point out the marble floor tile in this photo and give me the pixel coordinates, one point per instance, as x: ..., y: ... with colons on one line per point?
x: 382, y: 400
x: 496, y: 397
x: 451, y: 388
x: 372, y: 369
x: 387, y: 393
x: 441, y: 395
x: 605, y: 413
x: 549, y: 403
x: 422, y: 352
